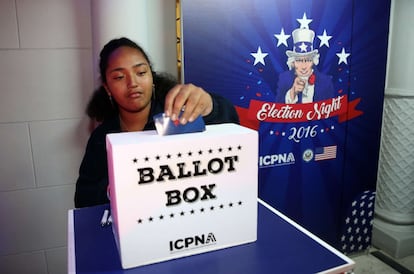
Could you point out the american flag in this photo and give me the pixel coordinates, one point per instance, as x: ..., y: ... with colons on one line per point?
x: 325, y: 153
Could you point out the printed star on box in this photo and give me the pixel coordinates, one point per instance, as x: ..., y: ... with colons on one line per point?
x: 304, y: 22
x: 324, y: 39
x: 343, y: 57
x: 259, y: 56
x: 282, y: 38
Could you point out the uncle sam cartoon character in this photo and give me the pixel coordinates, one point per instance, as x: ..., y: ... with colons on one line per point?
x: 303, y: 83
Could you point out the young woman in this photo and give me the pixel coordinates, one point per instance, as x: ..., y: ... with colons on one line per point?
x: 130, y: 95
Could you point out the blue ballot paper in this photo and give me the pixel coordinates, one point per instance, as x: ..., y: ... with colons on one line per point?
x: 165, y: 126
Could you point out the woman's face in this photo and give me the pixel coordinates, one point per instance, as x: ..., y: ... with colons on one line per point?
x: 129, y: 79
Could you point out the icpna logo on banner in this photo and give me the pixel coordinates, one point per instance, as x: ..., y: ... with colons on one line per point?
x: 272, y: 160
x: 192, y: 242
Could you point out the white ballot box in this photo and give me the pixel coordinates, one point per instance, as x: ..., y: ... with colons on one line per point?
x: 180, y: 195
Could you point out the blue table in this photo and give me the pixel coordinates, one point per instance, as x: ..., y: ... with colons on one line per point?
x: 282, y: 246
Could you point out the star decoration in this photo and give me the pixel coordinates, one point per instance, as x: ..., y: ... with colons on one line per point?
x: 304, y: 22
x: 259, y: 57
x: 282, y: 38
x: 359, y: 229
x: 183, y: 213
x: 189, y: 153
x: 324, y: 39
x: 303, y: 47
x: 343, y: 57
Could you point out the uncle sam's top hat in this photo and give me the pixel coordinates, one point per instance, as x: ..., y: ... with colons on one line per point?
x: 302, y: 43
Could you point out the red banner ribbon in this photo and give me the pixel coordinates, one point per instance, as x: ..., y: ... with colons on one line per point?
x: 260, y: 111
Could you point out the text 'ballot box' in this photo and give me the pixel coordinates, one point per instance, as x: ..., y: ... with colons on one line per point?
x: 179, y: 195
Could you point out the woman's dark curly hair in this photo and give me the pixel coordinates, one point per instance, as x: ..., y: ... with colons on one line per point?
x: 100, y: 107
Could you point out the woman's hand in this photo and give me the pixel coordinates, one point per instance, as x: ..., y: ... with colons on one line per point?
x: 194, y: 100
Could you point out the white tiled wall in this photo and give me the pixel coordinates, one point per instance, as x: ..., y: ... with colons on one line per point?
x: 36, y: 218
x: 46, y: 79
x: 44, y: 84
x: 34, y: 262
x: 55, y: 148
x: 8, y: 25
x: 58, y: 23
x: 16, y: 162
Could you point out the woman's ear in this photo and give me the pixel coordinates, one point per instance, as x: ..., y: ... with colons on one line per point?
x: 107, y: 90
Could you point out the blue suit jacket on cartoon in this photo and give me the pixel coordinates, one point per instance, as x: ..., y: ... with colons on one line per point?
x: 323, y: 86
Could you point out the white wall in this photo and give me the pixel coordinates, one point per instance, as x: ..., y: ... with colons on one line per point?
x: 46, y: 78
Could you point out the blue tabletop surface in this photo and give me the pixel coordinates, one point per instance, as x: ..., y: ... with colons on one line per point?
x: 280, y: 248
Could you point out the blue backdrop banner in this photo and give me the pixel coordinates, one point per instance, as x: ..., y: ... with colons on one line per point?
x: 309, y: 76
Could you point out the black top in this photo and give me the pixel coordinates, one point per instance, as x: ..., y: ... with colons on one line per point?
x: 91, y: 186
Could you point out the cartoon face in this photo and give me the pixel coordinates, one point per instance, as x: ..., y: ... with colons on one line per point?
x: 303, y: 66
